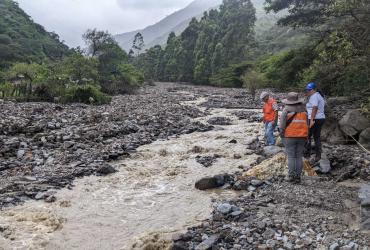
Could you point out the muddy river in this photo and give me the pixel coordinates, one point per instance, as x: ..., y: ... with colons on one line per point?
x: 152, y: 195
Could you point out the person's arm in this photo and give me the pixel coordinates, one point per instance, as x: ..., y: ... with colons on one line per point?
x: 315, y: 108
x: 276, y: 118
x: 313, y: 116
x: 276, y: 109
x: 282, y: 124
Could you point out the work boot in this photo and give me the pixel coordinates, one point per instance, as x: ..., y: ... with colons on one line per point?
x: 289, y: 179
x: 297, y: 180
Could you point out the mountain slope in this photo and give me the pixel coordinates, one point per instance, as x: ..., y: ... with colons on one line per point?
x: 175, y: 22
x: 22, y: 40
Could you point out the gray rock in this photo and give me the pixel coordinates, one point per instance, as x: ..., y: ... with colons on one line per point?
x: 220, y: 121
x: 324, y: 166
x: 68, y: 144
x: 334, y: 246
x: 50, y: 199
x: 106, y: 169
x: 271, y: 150
x: 208, y: 243
x: 256, y: 182
x: 211, y: 182
x: 224, y: 208
x: 21, y: 153
x: 365, y: 138
x: 335, y: 135
x: 270, y: 244
x: 269, y: 233
x: 354, y: 123
x: 236, y: 213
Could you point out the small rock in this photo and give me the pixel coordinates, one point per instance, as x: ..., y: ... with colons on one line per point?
x: 270, y: 243
x: 224, y: 208
x: 256, y: 182
x: 334, y: 246
x: 21, y: 153
x: 50, y: 199
x: 106, y: 169
x: 208, y: 243
x: 325, y: 166
x: 271, y: 150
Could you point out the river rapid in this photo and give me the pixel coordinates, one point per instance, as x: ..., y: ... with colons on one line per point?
x: 151, y: 198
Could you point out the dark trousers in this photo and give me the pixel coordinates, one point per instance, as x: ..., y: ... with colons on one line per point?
x: 315, y: 132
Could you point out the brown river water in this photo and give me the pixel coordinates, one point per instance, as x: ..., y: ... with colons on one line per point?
x: 152, y: 194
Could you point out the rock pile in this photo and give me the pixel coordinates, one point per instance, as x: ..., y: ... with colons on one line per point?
x: 249, y: 116
x: 45, y: 145
x: 279, y: 216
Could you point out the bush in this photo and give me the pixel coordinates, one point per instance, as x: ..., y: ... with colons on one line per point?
x: 253, y: 80
x: 284, y: 70
x: 126, y: 80
x: 231, y: 76
x: 88, y: 94
x: 6, y: 90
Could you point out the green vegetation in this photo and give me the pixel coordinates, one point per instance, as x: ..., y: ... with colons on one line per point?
x: 327, y: 42
x: 35, y: 66
x: 206, y: 49
x: 337, y: 55
x: 22, y: 40
x: 85, y: 94
x: 253, y: 80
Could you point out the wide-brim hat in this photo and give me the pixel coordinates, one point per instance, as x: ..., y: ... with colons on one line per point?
x: 293, y: 98
x: 263, y: 95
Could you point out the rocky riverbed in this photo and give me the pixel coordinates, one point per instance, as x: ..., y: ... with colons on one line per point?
x: 163, y: 140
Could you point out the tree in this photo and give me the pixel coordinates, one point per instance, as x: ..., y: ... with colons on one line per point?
x: 81, y: 69
x: 138, y: 43
x: 221, y: 38
x: 25, y: 75
x: 96, y: 41
x: 253, y: 80
x: 340, y: 34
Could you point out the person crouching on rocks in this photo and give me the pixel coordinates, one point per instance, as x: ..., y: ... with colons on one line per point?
x: 270, y: 117
x: 294, y: 131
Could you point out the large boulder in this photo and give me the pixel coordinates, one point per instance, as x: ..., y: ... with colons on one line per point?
x: 211, y: 182
x: 365, y: 138
x: 335, y: 136
x: 364, y: 195
x: 353, y: 123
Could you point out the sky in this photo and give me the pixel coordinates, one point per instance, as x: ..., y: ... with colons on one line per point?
x: 71, y: 18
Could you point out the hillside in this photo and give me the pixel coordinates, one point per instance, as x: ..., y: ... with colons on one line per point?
x: 22, y: 40
x: 266, y: 29
x: 177, y: 21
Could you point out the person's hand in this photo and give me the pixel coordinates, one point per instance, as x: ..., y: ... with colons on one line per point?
x: 312, y: 123
x: 275, y: 124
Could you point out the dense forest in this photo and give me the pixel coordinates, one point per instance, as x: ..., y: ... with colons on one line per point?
x: 222, y: 49
x: 22, y: 40
x: 35, y: 65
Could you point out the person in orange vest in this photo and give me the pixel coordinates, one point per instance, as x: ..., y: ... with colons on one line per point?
x: 294, y: 131
x: 270, y: 117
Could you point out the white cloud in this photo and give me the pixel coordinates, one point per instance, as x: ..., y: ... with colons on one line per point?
x: 71, y: 18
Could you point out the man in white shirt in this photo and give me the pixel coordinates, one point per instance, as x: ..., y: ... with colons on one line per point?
x: 316, y: 116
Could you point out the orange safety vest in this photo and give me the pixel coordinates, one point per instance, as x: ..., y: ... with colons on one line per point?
x: 268, y: 111
x: 298, y: 128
